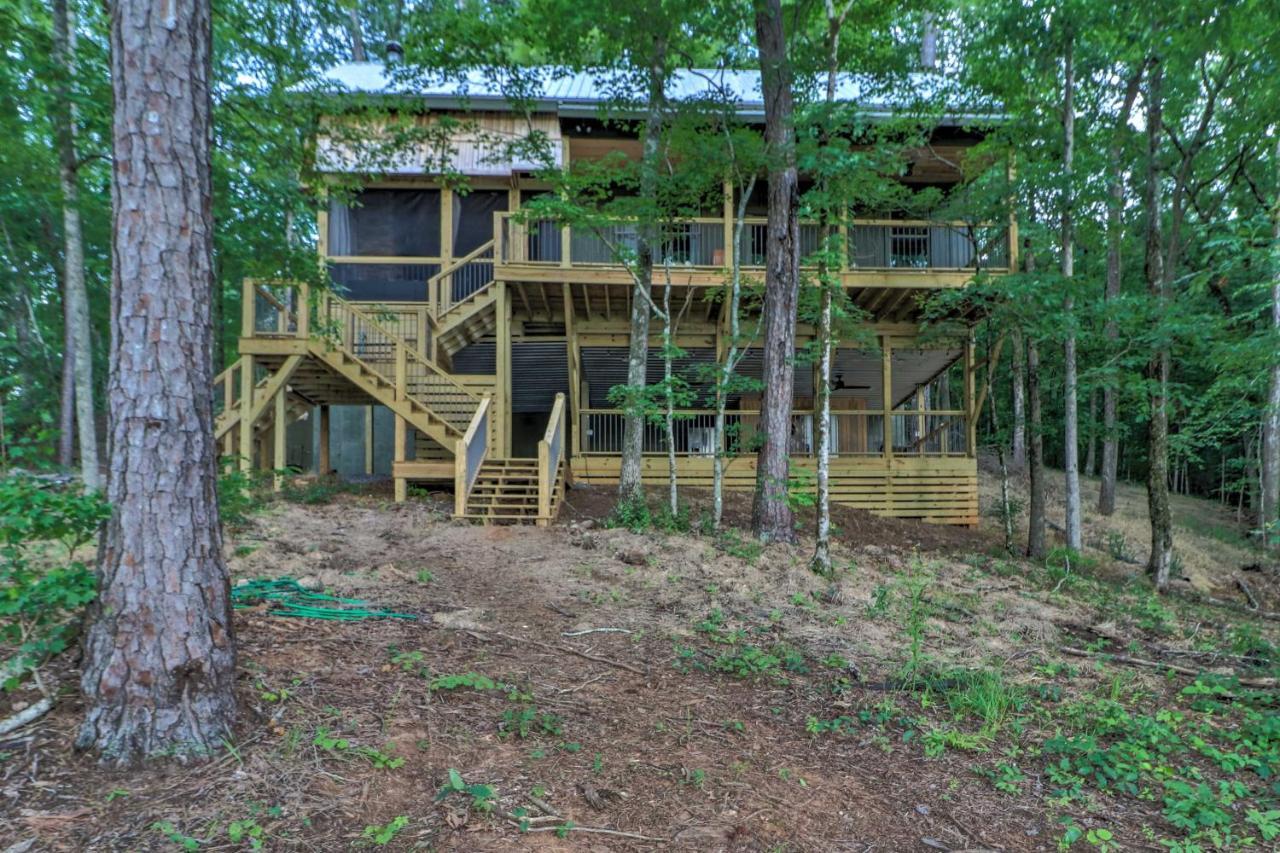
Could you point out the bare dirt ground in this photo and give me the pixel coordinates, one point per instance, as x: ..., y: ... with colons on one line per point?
x: 587, y: 688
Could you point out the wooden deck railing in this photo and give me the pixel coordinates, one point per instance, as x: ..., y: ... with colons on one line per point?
x: 858, y: 432
x: 705, y: 242
x: 271, y: 309
x: 469, y: 456
x: 461, y: 280
x: 550, y: 455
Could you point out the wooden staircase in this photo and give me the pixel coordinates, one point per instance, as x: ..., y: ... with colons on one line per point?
x: 511, y: 491
x: 457, y: 323
x: 357, y: 355
x: 505, y: 492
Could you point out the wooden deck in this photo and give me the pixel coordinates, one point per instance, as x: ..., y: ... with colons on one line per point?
x: 940, y: 490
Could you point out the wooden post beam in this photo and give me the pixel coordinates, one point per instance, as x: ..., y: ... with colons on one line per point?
x: 246, y: 409
x: 278, y: 462
x: 324, y: 465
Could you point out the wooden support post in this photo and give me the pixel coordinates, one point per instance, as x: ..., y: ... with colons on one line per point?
x: 368, y: 441
x: 324, y: 466
x: 246, y: 412
x: 401, y: 435
x: 571, y: 347
x: 502, y: 380
x: 921, y: 423
x: 278, y: 462
x: 447, y: 202
x: 247, y: 308
x: 304, y: 310
x: 398, y: 454
x: 971, y: 422
x: 729, y: 210
x: 886, y: 379
x: 228, y: 401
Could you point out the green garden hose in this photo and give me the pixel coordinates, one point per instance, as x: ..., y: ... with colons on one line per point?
x: 287, y: 598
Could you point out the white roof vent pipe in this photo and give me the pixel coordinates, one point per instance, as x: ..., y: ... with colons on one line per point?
x: 395, y: 53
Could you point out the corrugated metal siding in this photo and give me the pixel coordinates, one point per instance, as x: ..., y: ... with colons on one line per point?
x: 479, y: 357
x: 539, y: 371
x: 470, y: 152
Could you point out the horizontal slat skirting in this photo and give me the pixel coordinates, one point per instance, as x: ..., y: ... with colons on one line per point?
x: 941, y: 490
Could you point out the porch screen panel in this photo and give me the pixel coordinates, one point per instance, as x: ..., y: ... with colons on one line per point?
x: 473, y: 219
x: 382, y: 282
x: 386, y: 222
x: 869, y: 246
x: 543, y: 236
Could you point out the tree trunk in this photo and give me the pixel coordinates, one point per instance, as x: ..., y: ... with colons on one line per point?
x: 1091, y: 455
x: 1160, y: 563
x: 732, y: 356
x: 1269, y: 516
x: 821, y: 562
x: 354, y: 30
x: 1071, y: 415
x: 159, y: 654
x: 1019, y: 449
x: 822, y: 548
x: 1036, y: 547
x: 1115, y: 212
x: 630, y: 480
x: 669, y: 393
x: 771, y: 518
x: 67, y: 397
x: 75, y: 293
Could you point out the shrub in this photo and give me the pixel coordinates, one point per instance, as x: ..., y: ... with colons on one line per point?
x: 40, y: 592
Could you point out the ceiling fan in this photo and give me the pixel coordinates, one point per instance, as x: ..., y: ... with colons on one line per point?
x: 839, y: 385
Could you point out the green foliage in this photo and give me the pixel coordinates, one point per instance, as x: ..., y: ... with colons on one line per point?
x: 482, y: 796
x: 386, y: 833
x: 735, y: 544
x: 240, y: 493
x: 632, y: 513
x: 526, y: 721
x: 42, y: 586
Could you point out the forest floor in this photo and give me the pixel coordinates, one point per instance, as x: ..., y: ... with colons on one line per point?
x: 582, y: 687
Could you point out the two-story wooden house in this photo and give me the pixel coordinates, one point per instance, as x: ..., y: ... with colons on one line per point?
x: 490, y: 341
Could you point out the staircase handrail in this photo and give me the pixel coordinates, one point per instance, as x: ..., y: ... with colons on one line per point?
x: 550, y: 453
x: 466, y: 463
x: 411, y: 353
x: 433, y: 283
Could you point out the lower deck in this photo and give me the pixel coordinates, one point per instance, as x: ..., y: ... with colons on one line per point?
x: 940, y: 490
x: 358, y: 390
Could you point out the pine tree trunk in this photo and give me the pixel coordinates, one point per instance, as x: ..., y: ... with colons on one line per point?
x: 159, y: 654
x: 75, y: 292
x: 1019, y: 450
x: 1161, y: 560
x: 630, y: 480
x: 1269, y: 516
x: 1071, y: 416
x: 771, y: 517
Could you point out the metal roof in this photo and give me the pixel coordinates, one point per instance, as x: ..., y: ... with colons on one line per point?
x: 583, y: 92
